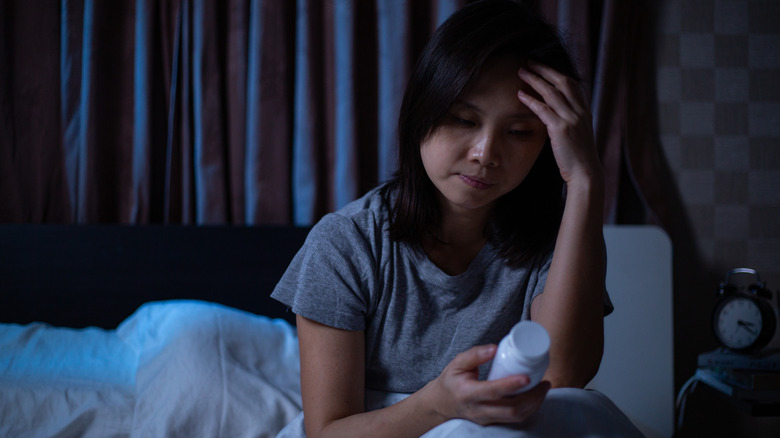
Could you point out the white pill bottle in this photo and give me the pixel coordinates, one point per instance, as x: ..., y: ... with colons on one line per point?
x: 525, y: 350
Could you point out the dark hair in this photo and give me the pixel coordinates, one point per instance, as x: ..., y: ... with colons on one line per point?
x: 525, y: 221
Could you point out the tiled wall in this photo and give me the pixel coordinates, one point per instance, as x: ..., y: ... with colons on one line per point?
x: 719, y: 97
x: 718, y: 82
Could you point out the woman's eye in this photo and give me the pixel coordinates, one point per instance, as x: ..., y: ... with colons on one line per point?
x: 521, y: 133
x: 464, y: 122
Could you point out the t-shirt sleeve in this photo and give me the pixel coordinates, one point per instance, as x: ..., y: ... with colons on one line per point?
x: 329, y: 279
x: 537, y: 285
x: 608, y: 306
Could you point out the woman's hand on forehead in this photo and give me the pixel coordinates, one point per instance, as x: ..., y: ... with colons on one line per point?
x: 564, y: 111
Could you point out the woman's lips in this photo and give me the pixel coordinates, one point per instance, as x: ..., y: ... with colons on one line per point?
x: 476, y: 182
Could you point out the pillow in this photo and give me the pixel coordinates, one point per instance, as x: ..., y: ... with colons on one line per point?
x: 209, y: 370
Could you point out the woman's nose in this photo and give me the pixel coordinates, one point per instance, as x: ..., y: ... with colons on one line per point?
x: 486, y: 151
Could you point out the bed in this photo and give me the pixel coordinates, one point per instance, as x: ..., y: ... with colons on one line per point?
x: 101, y: 325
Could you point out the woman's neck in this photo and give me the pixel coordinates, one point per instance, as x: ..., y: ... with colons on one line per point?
x: 457, y: 240
x: 460, y: 226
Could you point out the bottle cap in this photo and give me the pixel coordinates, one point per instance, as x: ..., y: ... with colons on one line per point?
x: 530, y: 340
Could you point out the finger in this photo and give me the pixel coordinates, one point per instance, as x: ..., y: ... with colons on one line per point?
x: 551, y: 96
x: 554, y: 77
x: 559, y: 94
x: 500, y: 388
x: 570, y: 88
x: 533, y: 397
x: 538, y: 392
x: 512, y: 409
x: 555, y: 119
x: 473, y: 357
x: 546, y: 114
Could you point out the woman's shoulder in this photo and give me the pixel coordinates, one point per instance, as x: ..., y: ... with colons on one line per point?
x: 376, y: 201
x: 372, y: 210
x: 364, y: 218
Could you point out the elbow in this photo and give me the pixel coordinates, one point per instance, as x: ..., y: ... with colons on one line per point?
x: 592, y: 366
x: 315, y: 430
x: 569, y: 381
x: 577, y: 371
x: 576, y: 379
x: 311, y: 430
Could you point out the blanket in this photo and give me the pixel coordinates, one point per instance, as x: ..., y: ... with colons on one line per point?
x: 566, y: 412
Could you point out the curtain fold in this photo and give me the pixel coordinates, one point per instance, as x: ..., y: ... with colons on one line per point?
x: 345, y: 73
x: 256, y: 111
x: 75, y: 86
x: 613, y: 43
x: 392, y: 70
x: 32, y: 187
x: 609, y: 101
x: 207, y: 118
x: 270, y: 79
x: 139, y: 197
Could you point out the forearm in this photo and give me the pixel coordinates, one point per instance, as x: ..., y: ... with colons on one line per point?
x: 411, y: 417
x: 332, y: 389
x: 455, y: 393
x: 571, y: 307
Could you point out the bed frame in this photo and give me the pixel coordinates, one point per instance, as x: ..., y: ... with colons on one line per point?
x: 97, y: 275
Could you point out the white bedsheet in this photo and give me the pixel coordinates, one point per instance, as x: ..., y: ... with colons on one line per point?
x: 194, y: 369
x: 177, y: 368
x: 64, y: 382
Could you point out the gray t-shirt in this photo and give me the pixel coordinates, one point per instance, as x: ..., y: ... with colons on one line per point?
x: 350, y: 275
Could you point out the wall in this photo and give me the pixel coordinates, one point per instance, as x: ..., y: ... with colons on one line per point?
x: 718, y: 80
x: 719, y: 93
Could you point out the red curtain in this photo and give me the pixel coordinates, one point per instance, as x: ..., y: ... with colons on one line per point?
x: 264, y: 111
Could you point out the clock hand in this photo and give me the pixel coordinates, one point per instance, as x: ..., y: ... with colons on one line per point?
x: 747, y: 326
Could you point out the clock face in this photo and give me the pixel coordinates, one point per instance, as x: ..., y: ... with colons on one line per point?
x: 738, y: 323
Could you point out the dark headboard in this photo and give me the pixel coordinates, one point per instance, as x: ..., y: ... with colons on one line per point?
x: 97, y: 275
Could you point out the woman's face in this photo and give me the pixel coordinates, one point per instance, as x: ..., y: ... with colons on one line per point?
x: 487, y: 143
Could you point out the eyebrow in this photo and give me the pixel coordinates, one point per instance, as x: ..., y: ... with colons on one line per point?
x: 522, y: 116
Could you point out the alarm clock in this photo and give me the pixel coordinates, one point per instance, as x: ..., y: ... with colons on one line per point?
x: 745, y: 318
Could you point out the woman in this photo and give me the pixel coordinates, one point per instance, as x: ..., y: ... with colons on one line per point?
x: 408, y: 289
